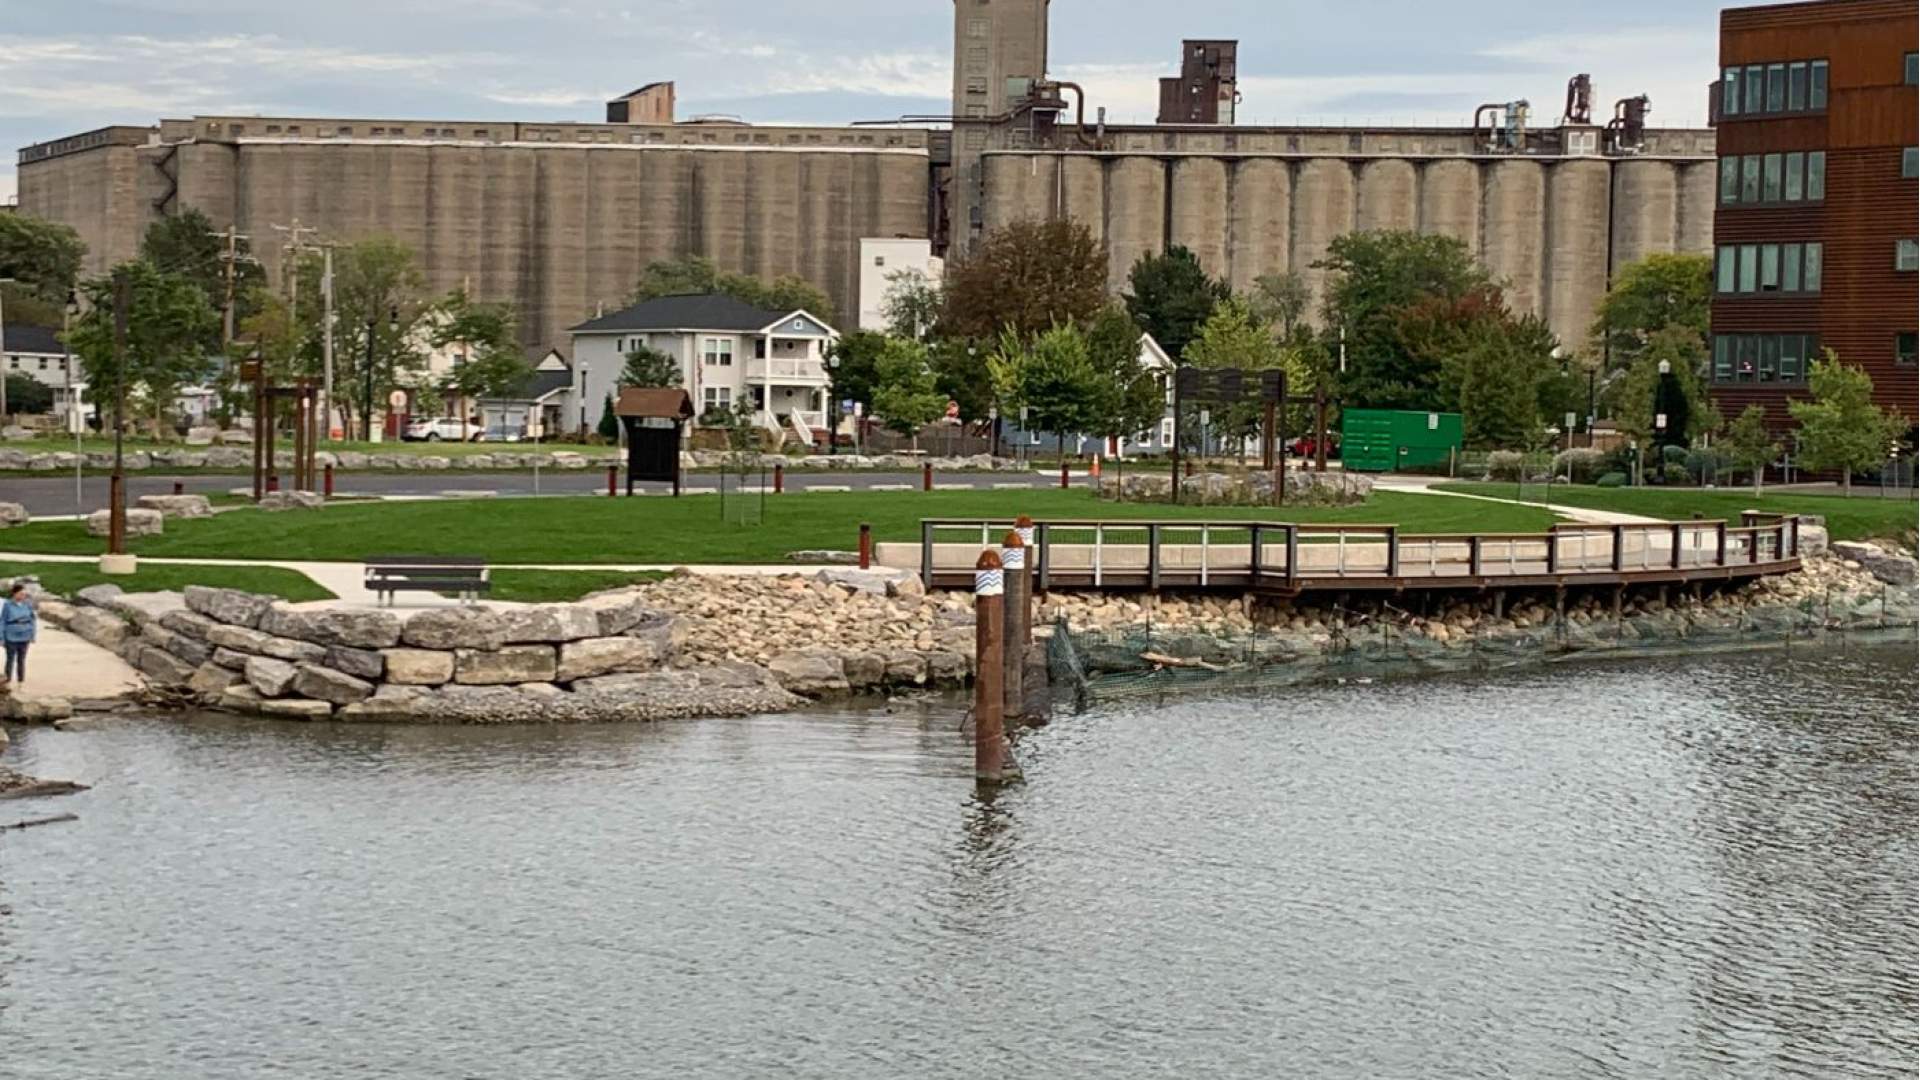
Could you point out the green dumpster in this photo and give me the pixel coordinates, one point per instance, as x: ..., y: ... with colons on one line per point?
x: 1383, y: 440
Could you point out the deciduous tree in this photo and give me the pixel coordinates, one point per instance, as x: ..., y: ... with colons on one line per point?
x: 167, y: 321
x: 488, y: 362
x: 904, y: 393
x: 1129, y: 397
x: 42, y: 256
x: 693, y: 274
x: 1840, y: 426
x: 1749, y: 445
x: 187, y: 244
x: 1027, y: 275
x: 1646, y: 297
x: 1374, y: 278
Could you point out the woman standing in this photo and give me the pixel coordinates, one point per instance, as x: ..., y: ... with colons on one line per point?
x: 18, y: 625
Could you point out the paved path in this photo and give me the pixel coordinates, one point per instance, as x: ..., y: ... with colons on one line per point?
x: 65, y: 665
x: 1424, y: 485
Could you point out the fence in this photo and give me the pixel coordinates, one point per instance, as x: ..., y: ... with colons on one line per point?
x: 1087, y: 667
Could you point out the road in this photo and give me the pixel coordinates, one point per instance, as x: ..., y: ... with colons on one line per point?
x: 47, y: 496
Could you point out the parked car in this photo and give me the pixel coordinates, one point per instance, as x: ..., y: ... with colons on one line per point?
x: 502, y: 433
x: 442, y: 429
x: 1305, y: 447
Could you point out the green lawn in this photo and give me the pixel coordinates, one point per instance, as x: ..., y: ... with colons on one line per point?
x: 689, y: 530
x: 1858, y: 518
x: 554, y: 586
x: 67, y: 578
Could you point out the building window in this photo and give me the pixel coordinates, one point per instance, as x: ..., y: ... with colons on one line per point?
x: 1730, y: 92
x: 1797, y: 87
x: 879, y: 260
x: 1904, y: 344
x: 977, y: 28
x: 1755, y: 94
x: 43, y: 363
x: 717, y: 398
x: 1912, y: 75
x: 717, y: 352
x: 1776, y: 87
x: 1813, y: 257
x: 1722, y: 358
x: 1769, y: 267
x: 1910, y: 161
x: 1750, y: 178
x: 1730, y: 179
x: 1727, y: 260
x: 1770, y: 184
x: 1816, y: 175
x: 1796, y: 176
x: 1793, y: 357
x: 1762, y: 358
x: 1789, y: 267
x: 1749, y: 267
x: 1906, y: 254
x: 1817, y: 88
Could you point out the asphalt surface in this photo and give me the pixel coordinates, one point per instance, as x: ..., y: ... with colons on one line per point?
x: 52, y: 495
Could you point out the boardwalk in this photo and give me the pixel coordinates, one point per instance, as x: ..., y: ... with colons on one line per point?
x: 1287, y: 558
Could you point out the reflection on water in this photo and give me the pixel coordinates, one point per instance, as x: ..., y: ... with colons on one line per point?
x: 1683, y: 868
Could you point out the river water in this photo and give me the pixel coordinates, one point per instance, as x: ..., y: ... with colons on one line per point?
x: 1672, y: 868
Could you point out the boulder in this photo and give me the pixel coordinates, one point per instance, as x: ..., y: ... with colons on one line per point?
x: 906, y: 668
x: 390, y: 703
x: 362, y: 663
x: 906, y: 586
x: 11, y: 514
x: 608, y: 655
x: 180, y: 646
x: 101, y: 627
x: 241, y: 639
x: 140, y: 522
x: 326, y: 684
x: 188, y: 624
x: 866, y: 581
x: 865, y: 670
x: 818, y: 556
x: 1886, y: 567
x: 291, y: 500
x: 431, y: 463
x: 53, y: 612
x: 948, y: 668
x: 810, y: 673
x: 455, y: 628
x: 15, y: 433
x: 643, y: 684
x: 35, y: 710
x: 240, y: 698
x: 230, y: 606
x: 350, y: 459
x: 550, y: 623
x: 163, y: 667
x: 229, y: 457
x: 666, y: 632
x: 268, y: 677
x: 147, y: 607
x: 418, y: 667
x: 1814, y: 540
x: 513, y: 664
x: 213, y: 679
x: 202, y: 436
x: 102, y: 595
x: 235, y: 437
x: 178, y: 506
x: 295, y: 709
x: 618, y: 611
x: 355, y: 629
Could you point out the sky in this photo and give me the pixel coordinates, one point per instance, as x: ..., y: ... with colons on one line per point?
x: 74, y: 65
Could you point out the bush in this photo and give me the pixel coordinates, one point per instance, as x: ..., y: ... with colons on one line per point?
x: 1705, y: 464
x: 1673, y: 455
x: 1612, y: 480
x: 1675, y: 475
x: 1506, y: 465
x: 1581, y: 463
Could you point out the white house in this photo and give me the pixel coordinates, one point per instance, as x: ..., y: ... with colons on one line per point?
x: 880, y: 260
x: 727, y: 350
x: 35, y: 352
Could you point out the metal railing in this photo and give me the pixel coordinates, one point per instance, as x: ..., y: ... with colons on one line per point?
x: 1210, y: 553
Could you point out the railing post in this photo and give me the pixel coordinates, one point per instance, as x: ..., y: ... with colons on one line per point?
x: 1619, y: 548
x: 1393, y: 551
x: 1720, y: 542
x: 613, y: 477
x: 989, y: 685
x: 1796, y: 536
x: 1677, y: 530
x: 866, y: 545
x: 1254, y: 552
x: 1293, y: 554
x: 779, y: 478
x: 1153, y: 557
x: 1473, y: 555
x: 1046, y: 555
x: 1753, y: 547
x: 1780, y: 541
x: 1553, y: 549
x: 926, y: 554
x: 926, y: 476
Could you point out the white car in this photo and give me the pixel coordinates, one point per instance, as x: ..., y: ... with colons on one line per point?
x: 442, y: 429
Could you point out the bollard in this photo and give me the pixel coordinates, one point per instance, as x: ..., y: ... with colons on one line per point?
x: 1093, y: 469
x: 613, y: 476
x: 989, y: 654
x: 1063, y: 472
x: 1024, y: 526
x: 326, y: 481
x: 866, y: 546
x: 179, y: 488
x: 926, y: 476
x: 779, y: 478
x: 1013, y: 563
x: 273, y: 483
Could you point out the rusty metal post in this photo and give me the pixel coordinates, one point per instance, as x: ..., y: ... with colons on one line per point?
x: 779, y: 478
x: 1320, y: 426
x: 989, y: 685
x: 866, y: 545
x: 1024, y: 526
x: 613, y: 480
x: 327, y: 482
x: 273, y: 467
x: 1063, y: 472
x: 1013, y: 562
x: 179, y: 488
x: 926, y: 476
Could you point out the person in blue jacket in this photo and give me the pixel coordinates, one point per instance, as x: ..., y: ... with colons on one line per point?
x: 18, y: 625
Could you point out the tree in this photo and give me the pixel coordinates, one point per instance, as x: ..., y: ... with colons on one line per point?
x: 1027, y: 275
x: 1130, y: 397
x: 26, y: 394
x: 960, y: 374
x: 167, y: 321
x: 42, y: 256
x: 1631, y: 395
x: 1475, y: 356
x: 911, y: 305
x: 649, y: 367
x: 1232, y: 338
x: 1659, y: 291
x: 1374, y: 279
x: 1280, y: 301
x: 377, y: 287
x: 693, y: 274
x: 857, y: 371
x: 1840, y: 426
x: 1749, y: 445
x: 904, y: 393
x: 1170, y: 296
x: 1052, y: 377
x: 609, y: 426
x: 187, y: 244
x: 488, y: 361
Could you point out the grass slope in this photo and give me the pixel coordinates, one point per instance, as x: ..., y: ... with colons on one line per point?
x: 689, y: 530
x: 1858, y: 518
x: 67, y: 578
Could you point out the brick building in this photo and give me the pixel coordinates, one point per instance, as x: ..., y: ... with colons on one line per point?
x: 1814, y: 235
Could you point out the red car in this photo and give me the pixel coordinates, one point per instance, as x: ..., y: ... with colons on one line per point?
x: 1305, y: 447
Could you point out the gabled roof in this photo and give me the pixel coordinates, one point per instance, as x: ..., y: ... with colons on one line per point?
x: 21, y: 338
x: 698, y: 311
x: 671, y: 402
x: 1151, y: 352
x: 546, y: 382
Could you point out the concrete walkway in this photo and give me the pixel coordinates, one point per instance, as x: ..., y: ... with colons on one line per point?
x: 1424, y: 485
x: 64, y: 665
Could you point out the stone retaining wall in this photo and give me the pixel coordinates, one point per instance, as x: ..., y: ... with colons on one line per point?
x: 18, y: 459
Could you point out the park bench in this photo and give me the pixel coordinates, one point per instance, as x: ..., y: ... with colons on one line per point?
x: 464, y: 576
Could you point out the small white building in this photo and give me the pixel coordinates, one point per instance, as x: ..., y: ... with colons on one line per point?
x: 35, y: 352
x: 880, y: 260
x: 727, y: 350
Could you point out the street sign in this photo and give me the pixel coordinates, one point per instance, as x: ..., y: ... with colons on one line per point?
x: 397, y: 399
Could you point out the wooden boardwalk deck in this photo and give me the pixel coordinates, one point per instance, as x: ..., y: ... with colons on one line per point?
x: 1287, y: 559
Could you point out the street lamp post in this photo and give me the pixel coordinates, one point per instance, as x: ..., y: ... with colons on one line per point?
x: 75, y: 418
x: 116, y: 560
x: 833, y: 402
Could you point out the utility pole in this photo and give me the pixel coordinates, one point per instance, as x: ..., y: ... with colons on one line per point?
x: 232, y: 258
x: 326, y: 342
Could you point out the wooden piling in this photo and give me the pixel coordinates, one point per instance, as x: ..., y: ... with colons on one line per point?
x: 1013, y: 561
x: 989, y: 684
x: 1024, y: 526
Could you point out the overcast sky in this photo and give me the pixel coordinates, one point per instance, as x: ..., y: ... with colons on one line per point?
x: 68, y: 66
